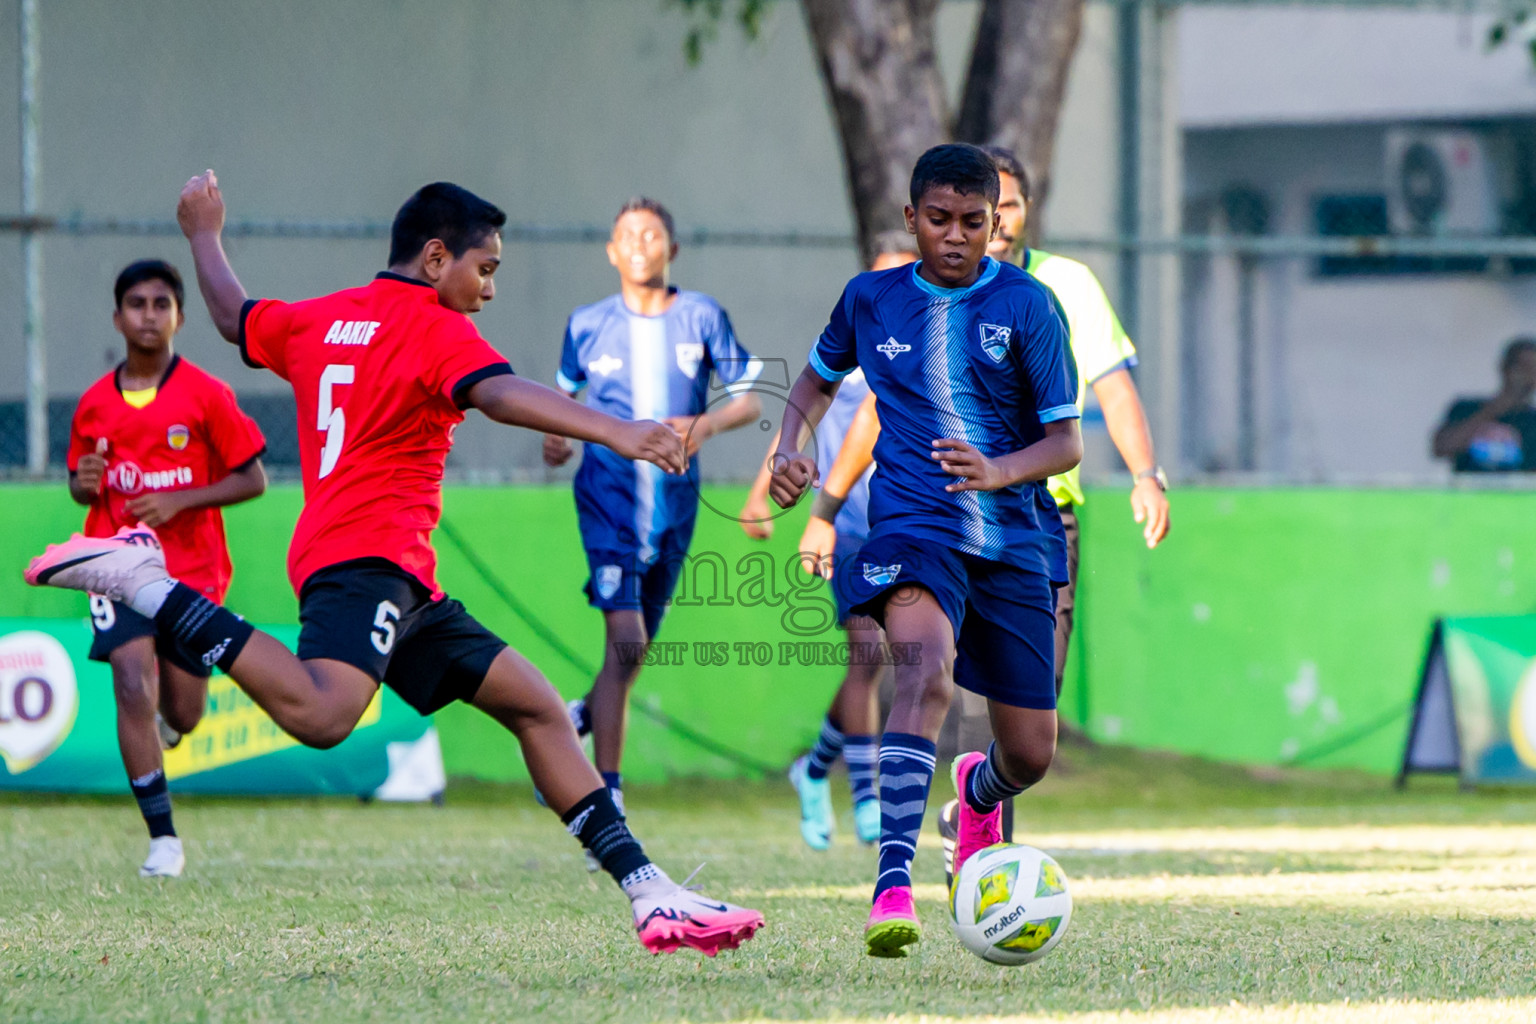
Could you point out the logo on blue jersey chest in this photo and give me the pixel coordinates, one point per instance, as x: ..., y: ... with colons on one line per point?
x: 994, y: 341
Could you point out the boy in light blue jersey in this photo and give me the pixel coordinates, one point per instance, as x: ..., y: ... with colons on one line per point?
x: 834, y: 533
x: 976, y: 393
x: 648, y: 352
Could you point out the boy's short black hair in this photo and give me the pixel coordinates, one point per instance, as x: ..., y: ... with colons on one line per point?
x: 965, y: 168
x: 445, y: 211
x: 650, y: 206
x: 149, y: 270
x: 1513, y: 351
x: 1007, y: 162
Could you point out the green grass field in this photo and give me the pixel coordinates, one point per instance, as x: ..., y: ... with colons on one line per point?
x: 1204, y: 893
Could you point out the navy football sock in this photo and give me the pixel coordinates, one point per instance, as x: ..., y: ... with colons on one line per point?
x: 828, y: 745
x: 906, y: 772
x: 986, y: 787
x: 154, y: 797
x: 596, y: 821
x: 215, y: 635
x: 859, y: 753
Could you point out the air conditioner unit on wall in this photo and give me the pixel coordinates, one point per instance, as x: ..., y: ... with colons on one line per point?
x: 1441, y: 182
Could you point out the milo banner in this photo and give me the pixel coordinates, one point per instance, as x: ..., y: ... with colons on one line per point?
x: 1476, y: 710
x: 58, y: 731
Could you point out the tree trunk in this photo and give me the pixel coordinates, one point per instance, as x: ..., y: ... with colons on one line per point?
x: 882, y: 77
x: 1016, y: 82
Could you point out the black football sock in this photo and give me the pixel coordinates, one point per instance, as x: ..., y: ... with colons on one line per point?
x: 615, y: 783
x: 154, y: 797
x: 596, y: 821
x: 214, y: 634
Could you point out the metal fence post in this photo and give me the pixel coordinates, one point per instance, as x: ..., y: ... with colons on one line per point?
x: 32, y: 250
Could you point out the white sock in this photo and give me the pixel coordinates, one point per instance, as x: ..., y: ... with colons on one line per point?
x: 649, y: 880
x: 151, y: 597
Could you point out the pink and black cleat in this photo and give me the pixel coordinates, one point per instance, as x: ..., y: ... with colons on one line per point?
x: 683, y: 917
x: 973, y: 831
x: 115, y: 566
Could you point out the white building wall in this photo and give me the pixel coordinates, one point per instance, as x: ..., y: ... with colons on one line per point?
x: 556, y: 110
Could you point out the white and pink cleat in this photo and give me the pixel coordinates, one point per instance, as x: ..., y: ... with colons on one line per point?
x: 682, y: 917
x: 115, y: 566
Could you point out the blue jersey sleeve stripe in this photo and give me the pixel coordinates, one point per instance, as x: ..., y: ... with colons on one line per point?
x: 1124, y: 364
x: 743, y: 384
x: 1059, y: 412
x: 825, y: 372
x: 566, y: 384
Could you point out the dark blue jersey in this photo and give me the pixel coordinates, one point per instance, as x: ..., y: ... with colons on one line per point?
x: 989, y: 365
x: 648, y: 368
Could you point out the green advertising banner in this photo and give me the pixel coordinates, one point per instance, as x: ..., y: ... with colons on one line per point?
x: 1476, y: 710
x: 58, y: 731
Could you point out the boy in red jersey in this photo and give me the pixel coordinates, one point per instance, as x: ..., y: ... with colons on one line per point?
x: 382, y: 374
x: 159, y: 441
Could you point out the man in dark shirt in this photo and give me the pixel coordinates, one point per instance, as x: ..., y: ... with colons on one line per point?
x: 1498, y: 434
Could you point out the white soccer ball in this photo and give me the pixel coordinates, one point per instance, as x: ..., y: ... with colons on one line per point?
x: 1010, y: 904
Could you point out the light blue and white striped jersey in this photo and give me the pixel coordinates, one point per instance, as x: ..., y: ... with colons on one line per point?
x: 988, y: 364
x: 852, y: 520
x: 648, y: 368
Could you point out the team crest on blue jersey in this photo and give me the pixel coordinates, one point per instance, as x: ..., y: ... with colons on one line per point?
x: 608, y: 579
x: 881, y: 575
x: 994, y: 341
x: 891, y: 348
x: 689, y: 355
x: 605, y: 364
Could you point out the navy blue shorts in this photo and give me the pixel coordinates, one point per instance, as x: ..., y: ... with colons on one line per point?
x: 845, y: 556
x: 114, y: 624
x: 1003, y: 616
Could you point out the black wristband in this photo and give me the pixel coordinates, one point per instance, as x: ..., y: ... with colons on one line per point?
x: 826, y: 506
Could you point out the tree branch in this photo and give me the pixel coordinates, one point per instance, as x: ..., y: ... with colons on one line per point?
x: 878, y: 63
x: 1017, y: 80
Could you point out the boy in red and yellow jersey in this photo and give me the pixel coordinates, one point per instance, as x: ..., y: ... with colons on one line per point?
x: 159, y: 441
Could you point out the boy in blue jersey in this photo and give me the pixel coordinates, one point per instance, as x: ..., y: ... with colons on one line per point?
x: 647, y: 352
x: 836, y: 529
x: 976, y: 393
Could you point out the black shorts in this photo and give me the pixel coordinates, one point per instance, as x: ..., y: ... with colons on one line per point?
x: 114, y: 624
x: 373, y: 615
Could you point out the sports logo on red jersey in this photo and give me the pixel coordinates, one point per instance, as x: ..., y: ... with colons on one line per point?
x: 177, y: 436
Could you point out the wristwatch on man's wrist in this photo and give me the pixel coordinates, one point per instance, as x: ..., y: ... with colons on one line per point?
x: 1155, y: 474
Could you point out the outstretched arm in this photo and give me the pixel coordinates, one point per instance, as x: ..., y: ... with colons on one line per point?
x: 200, y: 212
x: 519, y: 402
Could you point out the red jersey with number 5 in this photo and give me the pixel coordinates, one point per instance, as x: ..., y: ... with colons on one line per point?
x: 191, y: 434
x: 380, y: 375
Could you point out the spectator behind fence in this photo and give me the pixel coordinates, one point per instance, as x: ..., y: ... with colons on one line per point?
x: 1498, y: 434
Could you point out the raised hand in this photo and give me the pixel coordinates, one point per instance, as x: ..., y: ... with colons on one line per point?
x: 200, y: 210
